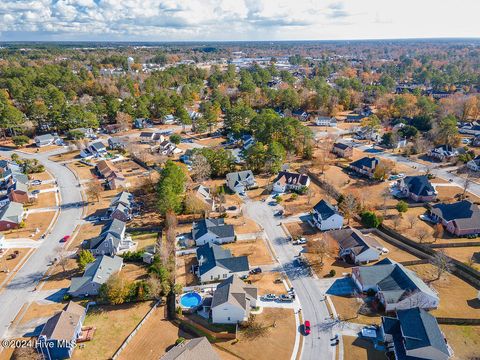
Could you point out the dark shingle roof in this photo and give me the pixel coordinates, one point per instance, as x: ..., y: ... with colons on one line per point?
x: 419, y: 185
x: 290, y: 178
x: 216, y: 226
x: 341, y: 146
x: 210, y: 255
x: 324, y: 209
x: 465, y: 213
x: 353, y: 239
x: 368, y: 162
x: 195, y: 349
x: 234, y: 291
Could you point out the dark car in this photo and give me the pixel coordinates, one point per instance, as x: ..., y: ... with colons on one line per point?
x: 306, y: 327
x: 256, y: 271
x: 278, y: 213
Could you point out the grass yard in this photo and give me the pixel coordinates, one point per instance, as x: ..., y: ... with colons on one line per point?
x: 35, y: 221
x: 183, y: 274
x: 256, y: 250
x: 36, y: 311
x: 134, y: 272
x: 44, y: 200
x: 277, y: 343
x: 154, y: 339
x: 43, y: 176
x: 464, y: 254
x: 65, y: 156
x: 265, y: 282
x: 464, y: 340
x: 10, y: 264
x: 84, y: 172
x: 145, y: 240
x: 458, y: 299
x: 347, y: 308
x: 59, y: 279
x: 243, y: 224
x: 113, y: 325
x: 448, y: 193
x: 394, y: 252
x: 360, y: 349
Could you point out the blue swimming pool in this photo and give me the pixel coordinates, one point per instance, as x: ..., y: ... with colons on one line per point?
x: 190, y: 300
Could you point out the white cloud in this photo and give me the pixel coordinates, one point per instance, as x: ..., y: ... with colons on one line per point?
x: 153, y: 20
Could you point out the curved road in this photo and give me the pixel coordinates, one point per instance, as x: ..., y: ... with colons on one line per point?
x: 20, y: 288
x: 308, y: 292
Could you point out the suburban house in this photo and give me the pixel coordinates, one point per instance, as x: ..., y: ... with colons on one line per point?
x: 354, y: 247
x: 151, y: 137
x: 417, y: 188
x: 288, y: 181
x: 241, y: 181
x: 216, y: 263
x: 168, y: 119
x: 300, y: 115
x: 476, y: 141
x: 140, y: 123
x: 414, y: 334
x: 212, y: 230
x: 203, y: 194
x: 232, y: 301
x: 342, y: 150
x: 111, y: 241
x: 443, y: 153
x: 44, y: 140
x: 94, y: 149
x: 474, y: 164
x: 59, y: 335
x: 472, y: 128
x: 113, y: 176
x: 11, y: 215
x: 195, y: 349
x: 7, y: 170
x: 117, y: 143
x: 247, y: 141
x: 96, y: 273
x: 365, y: 166
x: 325, y: 121
x: 121, y: 207
x: 460, y: 218
x: 396, y: 287
x: 167, y: 148
x: 18, y: 192
x: 86, y: 132
x: 325, y: 216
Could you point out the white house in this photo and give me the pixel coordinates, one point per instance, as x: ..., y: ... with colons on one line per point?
x: 325, y: 121
x: 216, y: 264
x: 44, y: 140
x: 212, y: 230
x: 355, y: 247
x: 396, y: 287
x: 232, y: 301
x: 326, y: 217
x: 290, y: 181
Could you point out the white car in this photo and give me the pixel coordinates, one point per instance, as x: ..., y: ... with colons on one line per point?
x: 269, y: 297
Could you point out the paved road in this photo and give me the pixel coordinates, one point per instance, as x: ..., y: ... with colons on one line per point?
x: 20, y: 289
x: 317, y: 344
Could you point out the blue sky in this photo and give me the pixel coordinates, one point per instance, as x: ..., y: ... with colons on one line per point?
x: 173, y: 20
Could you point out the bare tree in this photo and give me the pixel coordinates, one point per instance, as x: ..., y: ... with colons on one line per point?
x: 310, y: 194
x: 466, y: 184
x: 93, y: 190
x: 324, y: 153
x: 385, y: 196
x: 442, y: 263
x: 438, y: 231
x: 62, y: 257
x: 412, y: 220
x: 322, y: 248
x: 349, y: 206
x: 397, y: 220
x: 124, y: 120
x: 254, y: 329
x: 422, y: 233
x: 201, y: 169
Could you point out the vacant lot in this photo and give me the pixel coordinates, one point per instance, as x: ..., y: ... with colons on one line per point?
x: 277, y: 343
x: 256, y: 251
x: 458, y: 299
x: 265, y: 282
x: 360, y: 349
x: 464, y: 340
x: 113, y: 325
x: 155, y: 338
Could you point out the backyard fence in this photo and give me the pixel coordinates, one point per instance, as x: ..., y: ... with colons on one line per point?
x: 134, y: 332
x: 188, y: 324
x: 451, y: 245
x: 457, y: 321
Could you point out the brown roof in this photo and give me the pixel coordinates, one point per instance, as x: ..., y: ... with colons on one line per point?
x: 106, y: 167
x: 195, y: 349
x: 350, y: 238
x: 62, y: 326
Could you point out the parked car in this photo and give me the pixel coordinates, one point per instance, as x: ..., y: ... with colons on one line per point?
x: 232, y: 208
x: 278, y: 213
x: 36, y: 182
x: 306, y: 327
x: 257, y: 270
x: 65, y: 239
x: 269, y: 297
x: 285, y: 298
x: 35, y: 192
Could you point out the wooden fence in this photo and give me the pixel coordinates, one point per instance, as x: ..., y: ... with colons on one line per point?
x: 203, y: 331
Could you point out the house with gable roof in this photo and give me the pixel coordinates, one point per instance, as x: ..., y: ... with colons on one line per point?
x: 286, y: 181
x: 216, y: 263
x: 212, y: 230
x: 325, y: 216
x: 365, y: 166
x: 111, y: 241
x: 417, y: 188
x: 355, y: 247
x: 460, y: 218
x: 241, y: 181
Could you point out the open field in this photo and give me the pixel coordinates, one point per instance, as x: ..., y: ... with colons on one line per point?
x: 113, y: 325
x: 464, y: 340
x: 360, y: 349
x: 458, y: 299
x: 155, y: 338
x: 256, y: 250
x: 279, y: 344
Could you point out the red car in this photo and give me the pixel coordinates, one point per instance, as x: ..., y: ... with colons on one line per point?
x: 306, y: 327
x: 65, y: 238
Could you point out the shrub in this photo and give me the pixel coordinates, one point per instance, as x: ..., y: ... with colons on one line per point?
x: 402, y: 206
x: 179, y: 340
x: 370, y: 219
x: 20, y: 140
x: 133, y: 256
x: 175, y: 138
x: 332, y: 273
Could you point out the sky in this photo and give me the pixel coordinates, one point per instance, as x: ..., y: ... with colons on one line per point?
x: 219, y: 20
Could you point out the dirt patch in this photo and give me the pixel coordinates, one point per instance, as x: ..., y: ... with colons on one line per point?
x: 154, y: 339
x: 256, y: 251
x: 457, y: 298
x: 113, y: 325
x: 360, y: 349
x: 279, y: 340
x: 464, y: 340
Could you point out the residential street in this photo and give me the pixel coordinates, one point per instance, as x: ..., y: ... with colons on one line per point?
x: 21, y: 288
x: 308, y: 292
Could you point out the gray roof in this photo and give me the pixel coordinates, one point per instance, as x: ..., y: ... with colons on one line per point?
x: 215, y: 226
x: 98, y: 271
x: 234, y: 291
x: 45, y: 137
x: 195, y: 349
x: 353, y: 239
x: 239, y: 178
x: 324, y: 210
x: 393, y: 280
x: 210, y: 255
x: 414, y: 329
x: 341, y: 146
x: 124, y: 197
x: 12, y: 212
x: 465, y: 214
x: 366, y: 162
x: 419, y: 185
x: 111, y: 231
x: 203, y: 193
x: 98, y: 146
x: 63, y: 325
